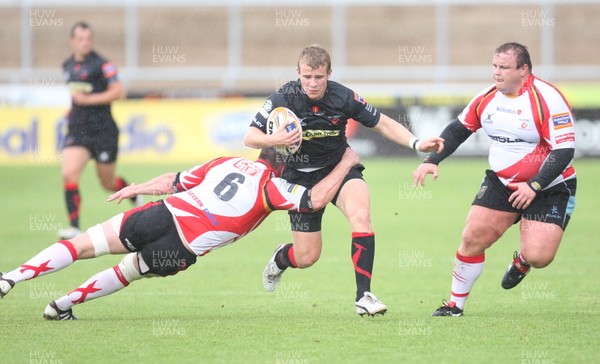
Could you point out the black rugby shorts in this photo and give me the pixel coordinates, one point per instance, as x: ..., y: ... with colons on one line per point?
x: 311, y: 222
x: 553, y: 205
x: 151, y: 231
x: 103, y: 144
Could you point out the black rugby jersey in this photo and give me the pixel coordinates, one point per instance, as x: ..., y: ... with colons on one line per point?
x: 93, y: 75
x: 323, y: 121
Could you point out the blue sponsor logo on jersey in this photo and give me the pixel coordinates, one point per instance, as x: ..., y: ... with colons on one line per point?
x: 562, y: 121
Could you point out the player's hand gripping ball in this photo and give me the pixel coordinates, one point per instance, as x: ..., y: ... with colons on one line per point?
x: 284, y: 116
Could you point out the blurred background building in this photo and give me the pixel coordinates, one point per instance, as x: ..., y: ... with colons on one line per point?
x: 419, y: 61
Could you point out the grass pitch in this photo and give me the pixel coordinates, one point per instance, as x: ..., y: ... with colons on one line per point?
x: 218, y: 312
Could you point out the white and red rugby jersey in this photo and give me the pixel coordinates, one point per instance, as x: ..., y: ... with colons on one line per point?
x: 226, y: 198
x: 523, y: 129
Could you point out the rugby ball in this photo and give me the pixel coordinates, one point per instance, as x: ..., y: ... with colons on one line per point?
x: 284, y: 116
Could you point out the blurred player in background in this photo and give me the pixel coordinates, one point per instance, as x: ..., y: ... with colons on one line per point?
x: 211, y: 206
x: 324, y: 106
x: 93, y: 133
x: 531, y: 179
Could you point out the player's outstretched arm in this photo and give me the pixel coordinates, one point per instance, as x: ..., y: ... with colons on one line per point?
x: 324, y: 191
x: 453, y: 136
x: 157, y: 186
x: 433, y: 144
x: 397, y: 133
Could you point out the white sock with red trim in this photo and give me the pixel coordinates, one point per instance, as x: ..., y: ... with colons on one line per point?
x: 465, y: 273
x: 52, y: 259
x: 99, y: 285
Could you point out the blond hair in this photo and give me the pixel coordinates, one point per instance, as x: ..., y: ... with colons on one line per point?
x: 315, y: 56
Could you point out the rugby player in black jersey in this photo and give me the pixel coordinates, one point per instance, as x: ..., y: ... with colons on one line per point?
x: 324, y: 108
x: 92, y: 131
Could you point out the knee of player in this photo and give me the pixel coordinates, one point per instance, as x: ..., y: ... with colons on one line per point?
x: 360, y: 219
x: 363, y: 215
x: 129, y: 268
x: 470, y: 237
x: 480, y: 237
x: 99, y: 244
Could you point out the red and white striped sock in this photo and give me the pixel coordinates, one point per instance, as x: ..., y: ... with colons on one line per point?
x: 99, y: 285
x: 465, y: 273
x: 52, y: 259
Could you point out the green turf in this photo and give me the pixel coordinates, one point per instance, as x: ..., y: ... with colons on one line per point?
x: 217, y: 311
